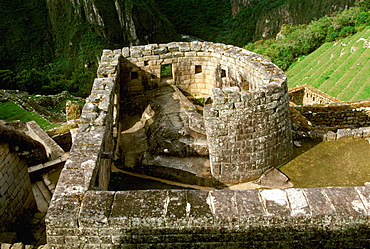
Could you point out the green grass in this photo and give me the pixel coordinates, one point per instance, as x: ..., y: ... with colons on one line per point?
x: 345, y: 162
x: 10, y: 111
x: 335, y: 69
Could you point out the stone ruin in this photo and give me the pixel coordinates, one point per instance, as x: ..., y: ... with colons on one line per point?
x: 242, y: 134
x: 308, y: 95
x: 247, y: 129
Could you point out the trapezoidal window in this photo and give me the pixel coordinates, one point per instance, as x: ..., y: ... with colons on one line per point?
x: 198, y: 69
x: 223, y: 73
x: 166, y: 71
x: 134, y: 75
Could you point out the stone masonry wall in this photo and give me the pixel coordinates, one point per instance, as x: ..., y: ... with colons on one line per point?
x: 269, y: 218
x: 246, y: 136
x: 306, y: 95
x: 338, y: 114
x: 16, y: 196
x: 248, y: 132
x: 79, y: 217
x: 195, y: 67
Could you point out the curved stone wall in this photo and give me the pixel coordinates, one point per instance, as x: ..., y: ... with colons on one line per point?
x: 196, y: 67
x: 248, y: 131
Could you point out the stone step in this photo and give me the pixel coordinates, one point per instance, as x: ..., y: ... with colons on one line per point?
x: 49, y: 164
x: 41, y: 201
x: 44, y: 190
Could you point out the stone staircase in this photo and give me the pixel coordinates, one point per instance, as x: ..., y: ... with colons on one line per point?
x: 42, y: 195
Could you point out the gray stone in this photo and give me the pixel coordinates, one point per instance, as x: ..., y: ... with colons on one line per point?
x: 18, y: 245
x: 297, y: 144
x: 344, y: 134
x: 274, y: 179
x: 6, y: 246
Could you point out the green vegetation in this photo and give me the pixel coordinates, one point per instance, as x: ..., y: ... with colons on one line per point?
x: 200, y: 18
x: 50, y: 46
x: 340, y: 69
x: 39, y: 59
x: 296, y: 41
x: 214, y: 20
x: 312, y: 168
x: 166, y: 70
x: 10, y: 111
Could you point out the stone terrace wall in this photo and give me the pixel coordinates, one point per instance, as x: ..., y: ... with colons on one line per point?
x: 338, y: 115
x: 306, y: 95
x: 16, y: 196
x: 291, y: 218
x: 195, y: 67
x: 248, y: 132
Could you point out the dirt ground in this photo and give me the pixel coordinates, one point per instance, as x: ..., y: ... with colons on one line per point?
x: 315, y: 164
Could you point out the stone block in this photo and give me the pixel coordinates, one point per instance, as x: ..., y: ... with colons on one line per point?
x: 365, y: 131
x: 63, y: 211
x: 330, y: 136
x: 121, y: 208
x: 225, y: 208
x: 233, y: 97
x: 148, y: 208
x: 184, y: 46
x: 96, y: 207
x: 160, y: 51
x: 177, y: 211
x: 344, y: 134
x: 126, y: 52
x: 357, y: 133
x: 200, y: 208
x: 18, y: 245
x: 218, y: 96
x: 137, y: 51
x: 59, y: 240
x: 298, y: 202
x: 275, y: 202
x: 318, y: 202
x: 346, y: 201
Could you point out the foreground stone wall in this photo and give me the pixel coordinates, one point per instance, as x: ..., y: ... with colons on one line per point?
x: 338, y: 115
x: 291, y: 218
x: 16, y: 197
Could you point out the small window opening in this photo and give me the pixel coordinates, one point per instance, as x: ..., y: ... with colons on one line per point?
x: 198, y: 69
x: 134, y: 75
x: 223, y: 73
x: 166, y: 71
x: 146, y: 63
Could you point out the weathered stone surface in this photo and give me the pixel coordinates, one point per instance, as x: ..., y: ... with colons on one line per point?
x: 266, y: 218
x: 274, y: 179
x: 95, y: 209
x: 238, y: 140
x: 344, y: 134
x: 17, y: 201
x: 63, y: 212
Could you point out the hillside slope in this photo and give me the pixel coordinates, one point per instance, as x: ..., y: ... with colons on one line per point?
x: 340, y: 69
